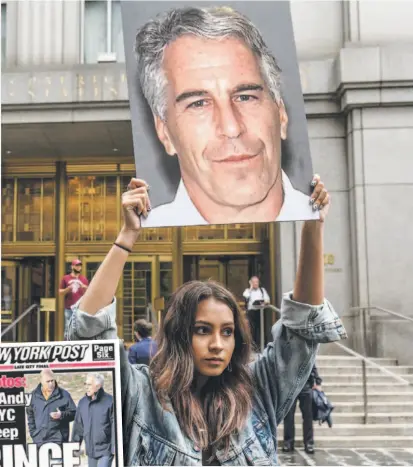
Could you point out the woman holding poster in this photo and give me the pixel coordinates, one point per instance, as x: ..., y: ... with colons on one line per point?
x: 202, y: 400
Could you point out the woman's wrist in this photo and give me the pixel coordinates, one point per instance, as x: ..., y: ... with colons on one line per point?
x: 312, y: 236
x: 127, y: 237
x: 313, y: 227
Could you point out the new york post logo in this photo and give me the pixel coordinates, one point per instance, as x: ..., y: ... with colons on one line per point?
x: 43, y: 353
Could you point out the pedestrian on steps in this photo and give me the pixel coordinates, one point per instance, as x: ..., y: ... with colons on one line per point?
x: 306, y: 406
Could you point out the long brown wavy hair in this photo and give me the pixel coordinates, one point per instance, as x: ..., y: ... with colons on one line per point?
x: 226, y: 400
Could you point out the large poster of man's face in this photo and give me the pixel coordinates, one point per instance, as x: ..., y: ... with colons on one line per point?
x: 218, y: 119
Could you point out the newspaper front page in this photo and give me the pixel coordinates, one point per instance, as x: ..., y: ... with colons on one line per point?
x: 60, y: 404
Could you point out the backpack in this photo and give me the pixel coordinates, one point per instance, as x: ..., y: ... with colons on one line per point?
x: 322, y: 408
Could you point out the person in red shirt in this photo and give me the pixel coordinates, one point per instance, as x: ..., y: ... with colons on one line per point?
x: 72, y: 287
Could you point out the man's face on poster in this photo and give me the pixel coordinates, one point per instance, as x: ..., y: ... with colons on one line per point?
x: 48, y: 382
x: 221, y: 121
x: 92, y: 386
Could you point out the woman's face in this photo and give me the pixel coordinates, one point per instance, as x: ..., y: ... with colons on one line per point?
x: 213, y: 340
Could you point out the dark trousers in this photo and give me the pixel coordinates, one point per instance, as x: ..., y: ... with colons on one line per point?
x: 254, y: 321
x: 306, y: 406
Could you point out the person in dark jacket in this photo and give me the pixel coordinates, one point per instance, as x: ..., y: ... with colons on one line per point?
x: 306, y: 406
x: 50, y: 411
x: 94, y: 422
x: 145, y: 347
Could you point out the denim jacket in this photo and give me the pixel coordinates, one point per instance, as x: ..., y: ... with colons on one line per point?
x: 152, y: 435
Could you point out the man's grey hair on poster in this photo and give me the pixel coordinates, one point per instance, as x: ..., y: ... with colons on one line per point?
x: 99, y: 379
x: 209, y: 23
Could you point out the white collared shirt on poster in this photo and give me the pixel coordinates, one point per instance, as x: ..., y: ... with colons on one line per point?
x: 182, y: 211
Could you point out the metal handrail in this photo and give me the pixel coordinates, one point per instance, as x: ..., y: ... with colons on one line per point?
x: 366, y: 360
x: 22, y: 316
x: 373, y: 307
x: 373, y: 364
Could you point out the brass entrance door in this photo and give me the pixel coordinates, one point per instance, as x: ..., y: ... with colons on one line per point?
x: 136, y: 295
x: 24, y: 283
x: 233, y: 272
x: 9, y: 294
x: 212, y: 269
x: 137, y: 290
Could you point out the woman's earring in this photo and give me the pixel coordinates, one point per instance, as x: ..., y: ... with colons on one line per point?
x: 229, y: 367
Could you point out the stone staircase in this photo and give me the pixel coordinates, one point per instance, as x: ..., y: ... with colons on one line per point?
x: 390, y: 405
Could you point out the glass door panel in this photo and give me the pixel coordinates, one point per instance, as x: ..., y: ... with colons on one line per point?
x: 136, y: 293
x: 92, y: 208
x: 28, y: 210
x: 48, y: 209
x: 237, y: 276
x: 25, y: 283
x: 7, y: 209
x: 165, y: 279
x: 9, y: 298
x: 91, y: 268
x: 233, y: 272
x: 211, y: 269
x: 35, y: 209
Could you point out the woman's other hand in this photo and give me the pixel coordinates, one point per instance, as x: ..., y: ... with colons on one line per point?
x: 320, y: 198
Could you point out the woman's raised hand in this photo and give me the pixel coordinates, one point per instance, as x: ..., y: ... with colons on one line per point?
x: 135, y: 202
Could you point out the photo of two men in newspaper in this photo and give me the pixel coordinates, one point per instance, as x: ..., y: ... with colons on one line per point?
x: 60, y: 404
